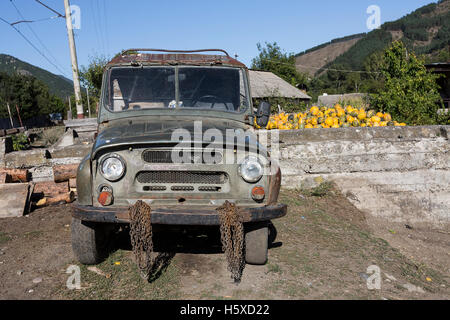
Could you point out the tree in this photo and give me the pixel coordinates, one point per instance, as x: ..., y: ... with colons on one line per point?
x: 411, y: 93
x: 92, y: 75
x: 272, y: 59
x: 31, y: 96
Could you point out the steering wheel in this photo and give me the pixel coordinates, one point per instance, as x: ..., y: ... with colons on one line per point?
x: 208, y: 96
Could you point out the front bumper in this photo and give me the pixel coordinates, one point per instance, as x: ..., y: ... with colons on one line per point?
x: 177, y: 215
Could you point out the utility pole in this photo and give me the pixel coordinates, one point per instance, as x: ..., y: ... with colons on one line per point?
x: 89, y: 104
x: 18, y: 115
x: 73, y: 56
x: 69, y: 115
x: 10, y: 117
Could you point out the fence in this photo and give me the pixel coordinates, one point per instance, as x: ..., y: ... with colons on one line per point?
x: 35, y: 122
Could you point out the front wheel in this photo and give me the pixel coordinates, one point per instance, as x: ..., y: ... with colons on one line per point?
x: 256, y: 243
x: 89, y: 241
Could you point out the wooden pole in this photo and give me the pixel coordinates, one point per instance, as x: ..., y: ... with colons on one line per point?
x: 69, y: 116
x: 73, y: 57
x: 89, y: 104
x: 10, y: 117
x: 18, y: 114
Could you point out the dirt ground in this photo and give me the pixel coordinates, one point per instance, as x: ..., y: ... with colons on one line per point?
x: 323, y: 249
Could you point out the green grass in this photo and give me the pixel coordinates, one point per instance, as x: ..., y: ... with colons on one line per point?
x: 273, y: 268
x: 4, y: 237
x: 125, y: 281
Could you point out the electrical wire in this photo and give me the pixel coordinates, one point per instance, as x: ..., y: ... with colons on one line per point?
x: 38, y: 39
x: 34, y: 47
x: 325, y: 69
x: 53, y: 10
x: 96, y: 27
x: 105, y: 21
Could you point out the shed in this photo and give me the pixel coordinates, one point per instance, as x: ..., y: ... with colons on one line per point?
x: 264, y: 84
x: 442, y: 68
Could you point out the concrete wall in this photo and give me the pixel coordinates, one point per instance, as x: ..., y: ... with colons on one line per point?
x: 399, y: 173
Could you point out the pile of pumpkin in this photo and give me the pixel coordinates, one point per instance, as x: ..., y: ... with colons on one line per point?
x: 335, y: 117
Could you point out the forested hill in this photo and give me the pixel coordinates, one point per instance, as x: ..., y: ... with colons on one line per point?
x: 58, y: 85
x: 424, y: 31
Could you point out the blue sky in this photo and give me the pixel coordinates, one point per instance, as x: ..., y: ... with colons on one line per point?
x: 108, y: 26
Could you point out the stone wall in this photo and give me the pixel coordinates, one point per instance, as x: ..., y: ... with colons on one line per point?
x: 399, y: 173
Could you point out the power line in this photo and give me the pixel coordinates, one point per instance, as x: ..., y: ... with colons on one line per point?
x: 325, y: 69
x: 37, y: 37
x: 34, y: 47
x: 53, y: 10
x: 36, y: 20
x: 96, y: 27
x: 105, y: 14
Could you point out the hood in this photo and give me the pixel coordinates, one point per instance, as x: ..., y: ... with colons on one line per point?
x: 128, y: 132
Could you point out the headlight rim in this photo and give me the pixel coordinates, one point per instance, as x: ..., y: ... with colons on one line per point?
x: 113, y: 155
x: 245, y: 178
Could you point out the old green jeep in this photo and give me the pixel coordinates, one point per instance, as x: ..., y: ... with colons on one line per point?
x: 176, y: 129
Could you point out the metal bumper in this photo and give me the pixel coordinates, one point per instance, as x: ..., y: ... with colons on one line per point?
x: 177, y: 215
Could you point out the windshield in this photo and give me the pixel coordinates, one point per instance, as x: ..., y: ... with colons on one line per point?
x: 212, y: 88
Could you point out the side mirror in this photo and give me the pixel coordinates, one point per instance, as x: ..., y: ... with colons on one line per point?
x: 263, y: 114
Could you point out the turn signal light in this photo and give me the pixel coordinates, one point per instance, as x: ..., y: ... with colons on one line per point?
x: 258, y: 193
x: 105, y: 198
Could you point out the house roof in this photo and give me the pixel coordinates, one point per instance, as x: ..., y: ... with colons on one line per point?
x: 265, y: 84
x: 439, y: 66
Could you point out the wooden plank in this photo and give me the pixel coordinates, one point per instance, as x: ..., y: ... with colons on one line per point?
x: 73, y: 183
x: 12, y: 131
x: 50, y: 188
x: 5, y: 178
x: 65, y: 172
x: 57, y: 199
x: 17, y: 175
x: 13, y: 199
x: 66, y: 197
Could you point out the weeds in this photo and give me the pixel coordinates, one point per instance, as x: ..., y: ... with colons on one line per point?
x: 4, y: 237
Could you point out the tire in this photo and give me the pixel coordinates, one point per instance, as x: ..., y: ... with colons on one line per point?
x: 89, y: 242
x: 256, y: 243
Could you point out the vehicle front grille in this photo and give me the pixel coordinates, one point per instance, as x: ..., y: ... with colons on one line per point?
x: 187, y: 156
x: 199, y: 177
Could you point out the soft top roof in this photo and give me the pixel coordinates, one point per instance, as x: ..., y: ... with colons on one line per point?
x: 173, y: 57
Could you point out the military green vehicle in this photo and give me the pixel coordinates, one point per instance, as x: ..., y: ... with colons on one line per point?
x: 150, y: 96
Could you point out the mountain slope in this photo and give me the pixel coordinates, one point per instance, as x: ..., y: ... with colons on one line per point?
x: 57, y: 84
x: 314, y: 59
x: 425, y: 31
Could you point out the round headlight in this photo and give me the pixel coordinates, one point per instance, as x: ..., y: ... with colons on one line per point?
x: 251, y: 169
x: 112, y: 167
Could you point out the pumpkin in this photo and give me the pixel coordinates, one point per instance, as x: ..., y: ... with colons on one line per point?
x: 330, y: 117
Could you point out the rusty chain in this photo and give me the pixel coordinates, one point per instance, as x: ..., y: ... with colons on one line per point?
x: 141, y: 236
x: 232, y: 237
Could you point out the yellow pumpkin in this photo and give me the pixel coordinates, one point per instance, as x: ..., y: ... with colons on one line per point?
x: 362, y: 115
x: 329, y: 121
x: 387, y: 117
x: 375, y: 119
x: 314, y: 110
